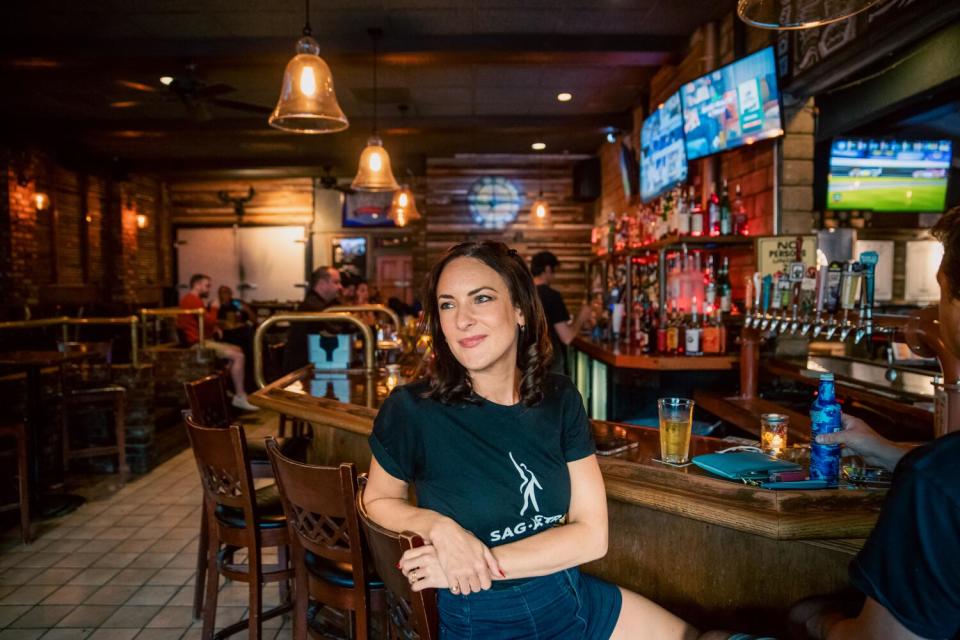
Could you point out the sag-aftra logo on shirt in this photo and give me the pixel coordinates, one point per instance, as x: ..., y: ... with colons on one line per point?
x: 529, y: 486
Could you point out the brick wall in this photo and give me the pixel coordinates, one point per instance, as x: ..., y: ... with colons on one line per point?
x: 86, y: 248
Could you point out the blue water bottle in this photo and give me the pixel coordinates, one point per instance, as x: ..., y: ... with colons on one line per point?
x: 825, y: 418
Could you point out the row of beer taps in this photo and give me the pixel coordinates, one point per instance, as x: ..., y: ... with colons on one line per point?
x: 831, y: 300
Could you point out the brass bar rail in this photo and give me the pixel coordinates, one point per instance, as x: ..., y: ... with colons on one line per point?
x: 323, y: 317
x: 66, y: 321
x: 171, y: 312
x: 375, y: 308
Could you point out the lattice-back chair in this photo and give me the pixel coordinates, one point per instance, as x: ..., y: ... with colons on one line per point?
x: 210, y: 407
x: 238, y: 516
x: 88, y: 386
x: 413, y: 614
x: 329, y: 560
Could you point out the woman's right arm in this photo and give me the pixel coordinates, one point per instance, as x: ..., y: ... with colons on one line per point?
x: 466, y: 562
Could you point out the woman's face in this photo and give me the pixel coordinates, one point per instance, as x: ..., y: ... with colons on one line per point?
x: 363, y: 293
x: 478, y: 319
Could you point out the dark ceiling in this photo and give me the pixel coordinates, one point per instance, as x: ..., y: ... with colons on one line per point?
x: 478, y: 76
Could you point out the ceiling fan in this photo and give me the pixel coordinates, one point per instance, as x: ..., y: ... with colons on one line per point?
x: 196, y: 95
x: 329, y: 181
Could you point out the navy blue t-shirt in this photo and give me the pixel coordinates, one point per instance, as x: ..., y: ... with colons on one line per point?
x: 499, y: 471
x: 911, y: 563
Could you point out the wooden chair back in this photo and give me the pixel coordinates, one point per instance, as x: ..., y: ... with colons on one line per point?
x: 224, y: 465
x: 320, y: 503
x: 208, y: 401
x: 413, y: 614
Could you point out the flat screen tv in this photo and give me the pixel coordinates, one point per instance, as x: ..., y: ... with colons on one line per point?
x: 735, y: 105
x: 888, y: 174
x: 663, y: 155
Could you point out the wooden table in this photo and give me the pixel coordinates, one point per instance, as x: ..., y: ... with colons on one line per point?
x: 33, y: 363
x: 718, y: 553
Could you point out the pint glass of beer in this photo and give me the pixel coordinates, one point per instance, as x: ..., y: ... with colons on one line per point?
x: 676, y: 422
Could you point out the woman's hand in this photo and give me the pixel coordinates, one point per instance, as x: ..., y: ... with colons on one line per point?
x: 421, y: 567
x: 467, y: 564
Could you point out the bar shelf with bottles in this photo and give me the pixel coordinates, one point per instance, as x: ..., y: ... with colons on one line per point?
x: 677, y: 301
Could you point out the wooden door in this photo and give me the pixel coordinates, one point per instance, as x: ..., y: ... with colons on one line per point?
x: 395, y: 278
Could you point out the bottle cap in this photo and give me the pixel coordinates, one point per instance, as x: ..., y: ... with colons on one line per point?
x: 826, y: 376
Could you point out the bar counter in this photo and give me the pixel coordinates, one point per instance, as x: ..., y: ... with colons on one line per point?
x: 627, y: 356
x: 721, y: 554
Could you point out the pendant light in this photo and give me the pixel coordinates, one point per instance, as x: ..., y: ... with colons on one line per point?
x: 374, y: 172
x: 540, y: 215
x: 786, y: 15
x: 308, y: 103
x: 403, y: 208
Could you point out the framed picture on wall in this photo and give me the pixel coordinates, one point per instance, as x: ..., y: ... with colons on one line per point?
x: 349, y: 254
x: 367, y: 209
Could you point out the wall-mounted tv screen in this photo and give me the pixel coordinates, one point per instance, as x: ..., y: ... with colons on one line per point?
x: 888, y: 175
x: 735, y: 105
x: 663, y: 156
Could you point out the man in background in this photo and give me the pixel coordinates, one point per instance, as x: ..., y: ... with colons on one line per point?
x: 189, y: 325
x: 562, y: 331
x: 323, y: 291
x: 909, y: 568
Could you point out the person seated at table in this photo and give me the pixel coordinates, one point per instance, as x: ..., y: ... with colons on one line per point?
x: 232, y: 311
x: 348, y: 290
x: 323, y: 291
x: 909, y: 568
x: 363, y: 297
x: 510, y: 499
x: 189, y: 325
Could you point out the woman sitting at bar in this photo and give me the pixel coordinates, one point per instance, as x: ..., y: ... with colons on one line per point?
x: 510, y: 496
x: 363, y: 297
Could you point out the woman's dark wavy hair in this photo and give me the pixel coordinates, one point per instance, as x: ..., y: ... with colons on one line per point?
x: 450, y: 382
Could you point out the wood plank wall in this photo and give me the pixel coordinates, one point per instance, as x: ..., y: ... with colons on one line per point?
x: 448, y: 219
x: 279, y: 201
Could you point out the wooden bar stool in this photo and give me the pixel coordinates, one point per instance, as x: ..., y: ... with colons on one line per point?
x: 210, y: 407
x: 237, y: 516
x: 329, y: 559
x: 89, y: 386
x: 18, y: 434
x: 413, y: 615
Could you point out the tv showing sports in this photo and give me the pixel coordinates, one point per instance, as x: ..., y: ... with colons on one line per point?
x: 735, y: 105
x: 888, y: 175
x: 663, y: 155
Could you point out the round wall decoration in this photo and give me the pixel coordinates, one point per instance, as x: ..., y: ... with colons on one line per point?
x: 493, y: 202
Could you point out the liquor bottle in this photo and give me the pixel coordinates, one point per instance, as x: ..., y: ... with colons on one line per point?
x: 636, y: 320
x: 653, y: 331
x: 668, y: 215
x: 713, y: 210
x: 710, y: 334
x: 723, y: 286
x: 710, y: 284
x: 662, y: 342
x: 696, y: 215
x: 740, y: 226
x: 722, y: 331
x: 726, y: 220
x: 825, y: 418
x: 611, y: 231
x: 691, y: 337
x: 683, y: 214
x: 673, y: 331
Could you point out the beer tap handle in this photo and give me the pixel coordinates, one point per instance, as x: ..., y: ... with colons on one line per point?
x: 869, y: 261
x: 766, y: 293
x: 757, y: 310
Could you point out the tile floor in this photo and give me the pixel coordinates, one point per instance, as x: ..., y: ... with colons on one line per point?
x: 121, y: 566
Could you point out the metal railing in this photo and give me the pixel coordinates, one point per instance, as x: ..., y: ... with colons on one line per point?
x: 66, y: 322
x: 320, y: 317
x: 172, y: 312
x: 374, y: 308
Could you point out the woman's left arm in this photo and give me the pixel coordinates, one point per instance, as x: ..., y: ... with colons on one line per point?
x: 582, y: 539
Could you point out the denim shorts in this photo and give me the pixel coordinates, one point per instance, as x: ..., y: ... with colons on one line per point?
x: 561, y: 606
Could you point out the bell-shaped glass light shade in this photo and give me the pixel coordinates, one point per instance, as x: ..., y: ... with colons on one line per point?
x: 374, y: 173
x: 540, y: 215
x: 786, y: 15
x: 403, y: 208
x: 308, y: 103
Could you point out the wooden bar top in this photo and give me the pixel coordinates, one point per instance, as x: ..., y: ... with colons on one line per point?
x: 627, y: 356
x: 631, y: 476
